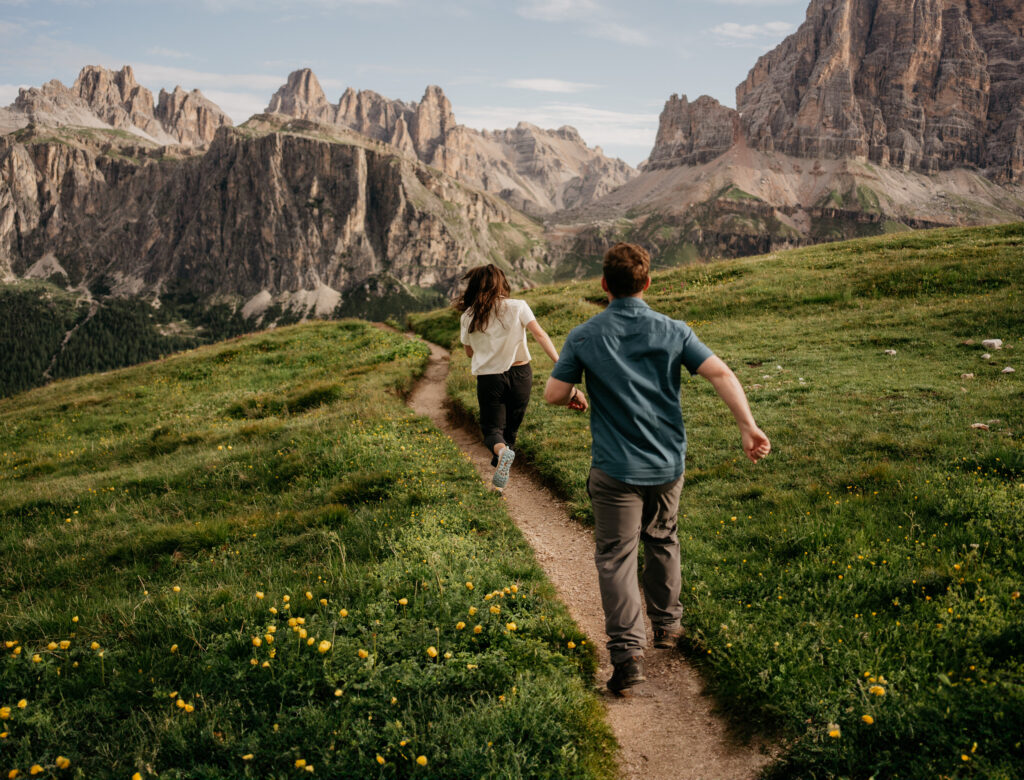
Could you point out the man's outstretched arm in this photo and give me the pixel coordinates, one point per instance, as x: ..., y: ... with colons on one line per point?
x: 729, y: 389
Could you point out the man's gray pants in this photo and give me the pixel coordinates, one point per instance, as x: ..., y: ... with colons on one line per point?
x: 623, y: 515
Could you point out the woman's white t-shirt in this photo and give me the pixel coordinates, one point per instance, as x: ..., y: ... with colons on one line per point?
x: 503, y: 341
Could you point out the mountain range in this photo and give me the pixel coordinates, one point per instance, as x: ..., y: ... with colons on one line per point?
x: 875, y: 115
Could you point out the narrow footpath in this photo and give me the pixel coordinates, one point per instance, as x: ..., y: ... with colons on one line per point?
x: 666, y: 729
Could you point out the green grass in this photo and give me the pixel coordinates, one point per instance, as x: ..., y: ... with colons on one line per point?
x: 882, y: 538
x: 177, y: 514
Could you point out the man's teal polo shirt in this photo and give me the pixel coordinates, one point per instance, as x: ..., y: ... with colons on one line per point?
x: 632, y: 357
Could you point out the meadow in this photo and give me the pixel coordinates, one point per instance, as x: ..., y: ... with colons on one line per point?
x: 857, y: 594
x: 252, y: 560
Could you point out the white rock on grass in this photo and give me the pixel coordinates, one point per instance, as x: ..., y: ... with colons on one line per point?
x: 967, y: 376
x: 1007, y: 370
x: 986, y: 356
x: 992, y: 343
x: 890, y: 352
x: 980, y: 426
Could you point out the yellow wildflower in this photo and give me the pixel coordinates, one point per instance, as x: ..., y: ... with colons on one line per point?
x: 176, y: 589
x: 421, y: 760
x: 256, y: 641
x: 495, y: 610
x: 189, y: 708
x: 403, y: 601
x: 380, y: 759
x: 35, y: 769
x: 309, y: 595
x: 62, y: 762
x: 571, y: 645
x: 247, y: 757
x: 259, y: 594
x: 137, y: 776
x: 363, y: 654
x: 64, y: 644
x: 51, y: 646
x: 22, y: 704
x: 324, y: 646
x: 5, y: 713
x: 343, y: 612
x: 299, y: 763
x: 469, y: 585
x: 478, y: 629
x: 867, y: 719
x: 510, y: 626
x: 833, y: 730
x: 95, y: 645
x: 877, y: 690
x: 472, y: 611
x: 174, y: 648
x: 36, y: 658
x: 323, y: 602
x: 432, y: 651
x: 459, y: 626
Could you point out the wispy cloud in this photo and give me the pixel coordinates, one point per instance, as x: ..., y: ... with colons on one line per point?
x: 174, y: 54
x: 752, y: 32
x: 557, y: 10
x: 10, y: 29
x: 548, y: 85
x: 594, y: 19
x: 596, y: 125
x: 220, y: 6
x: 155, y: 76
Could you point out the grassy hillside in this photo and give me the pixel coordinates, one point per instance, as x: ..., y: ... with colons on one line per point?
x: 860, y: 589
x: 252, y: 560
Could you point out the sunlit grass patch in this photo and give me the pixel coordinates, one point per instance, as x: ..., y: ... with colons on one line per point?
x: 191, y: 592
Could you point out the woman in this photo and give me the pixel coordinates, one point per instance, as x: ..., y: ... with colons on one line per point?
x: 493, y: 330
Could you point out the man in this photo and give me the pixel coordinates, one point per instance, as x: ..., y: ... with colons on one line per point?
x: 632, y: 357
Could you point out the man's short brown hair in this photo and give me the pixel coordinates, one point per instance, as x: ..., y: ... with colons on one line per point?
x: 626, y: 269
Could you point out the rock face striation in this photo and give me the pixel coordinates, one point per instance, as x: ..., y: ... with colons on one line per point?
x: 276, y: 209
x: 922, y: 85
x: 106, y: 99
x: 537, y: 171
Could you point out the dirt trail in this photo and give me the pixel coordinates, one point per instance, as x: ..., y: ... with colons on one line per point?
x: 666, y: 729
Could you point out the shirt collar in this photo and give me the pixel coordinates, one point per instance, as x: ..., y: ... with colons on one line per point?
x: 628, y: 303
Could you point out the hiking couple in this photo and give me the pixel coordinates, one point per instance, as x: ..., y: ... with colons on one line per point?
x: 632, y: 358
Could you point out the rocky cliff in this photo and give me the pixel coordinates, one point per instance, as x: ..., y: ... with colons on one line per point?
x: 106, y: 99
x: 537, y: 171
x: 271, y: 210
x: 922, y: 85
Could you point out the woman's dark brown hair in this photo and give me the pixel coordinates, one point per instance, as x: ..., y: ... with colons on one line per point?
x: 485, y: 287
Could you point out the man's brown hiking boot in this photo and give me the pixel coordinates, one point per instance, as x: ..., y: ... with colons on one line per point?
x: 627, y: 674
x: 668, y: 638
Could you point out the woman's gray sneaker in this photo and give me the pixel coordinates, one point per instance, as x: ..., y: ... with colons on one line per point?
x: 505, y: 459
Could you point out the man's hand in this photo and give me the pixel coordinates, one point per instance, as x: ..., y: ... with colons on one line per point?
x: 577, y: 400
x: 756, y: 444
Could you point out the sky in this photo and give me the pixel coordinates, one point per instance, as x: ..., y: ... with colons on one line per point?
x: 606, y: 67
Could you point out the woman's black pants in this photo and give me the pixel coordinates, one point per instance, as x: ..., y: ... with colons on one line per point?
x: 503, y: 399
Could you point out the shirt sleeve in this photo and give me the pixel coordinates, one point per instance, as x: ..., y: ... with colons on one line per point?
x: 463, y: 329
x: 568, y: 368
x: 695, y: 351
x: 525, y: 314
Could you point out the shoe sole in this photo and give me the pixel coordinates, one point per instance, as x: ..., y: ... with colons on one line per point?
x: 500, y: 478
